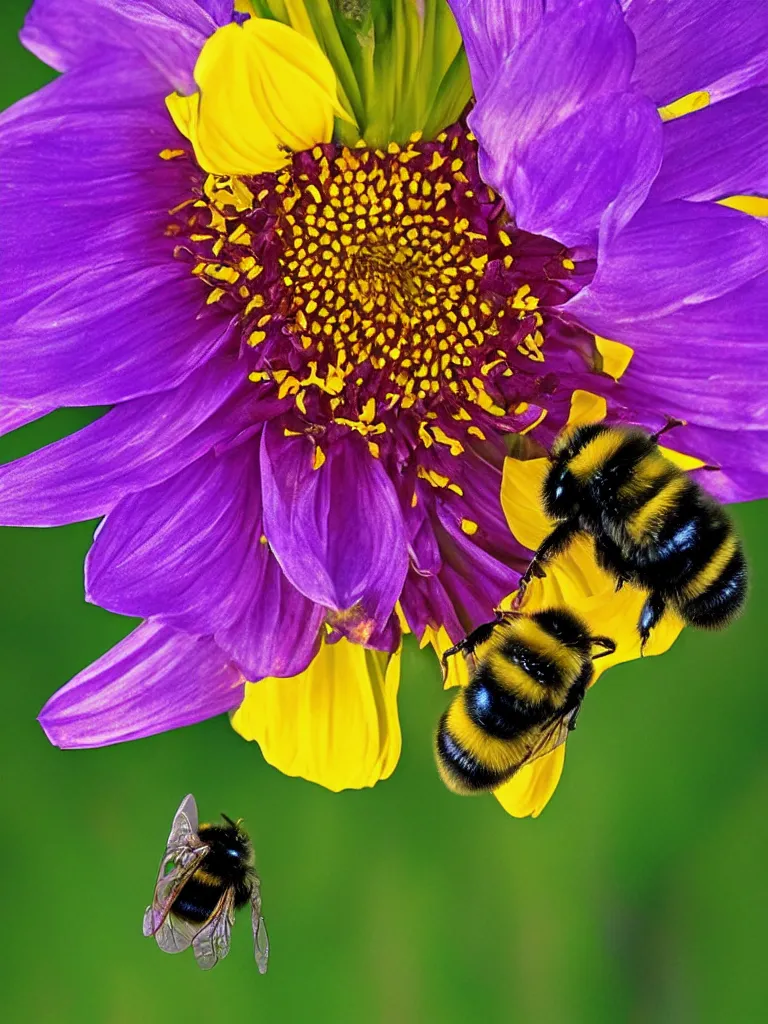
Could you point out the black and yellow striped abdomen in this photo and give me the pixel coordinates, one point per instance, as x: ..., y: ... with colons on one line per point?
x: 526, y: 671
x: 679, y: 543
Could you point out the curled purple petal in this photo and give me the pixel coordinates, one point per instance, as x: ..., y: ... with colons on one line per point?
x: 337, y: 531
x: 155, y: 679
x: 189, y: 551
x: 278, y: 632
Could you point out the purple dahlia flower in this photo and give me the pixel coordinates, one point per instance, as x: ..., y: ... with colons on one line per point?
x: 327, y: 273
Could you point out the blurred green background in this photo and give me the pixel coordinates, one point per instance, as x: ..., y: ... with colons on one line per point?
x: 639, y: 895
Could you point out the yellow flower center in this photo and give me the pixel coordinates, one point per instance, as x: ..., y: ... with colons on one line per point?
x: 369, y: 282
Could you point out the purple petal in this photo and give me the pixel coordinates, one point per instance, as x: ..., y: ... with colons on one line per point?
x: 155, y: 679
x: 716, y: 152
x: 490, y: 31
x: 168, y: 33
x: 476, y: 569
x: 187, y: 548
x: 423, y: 551
x: 577, y: 53
x: 278, y: 633
x: 189, y: 552
x: 602, y: 158
x: 707, y: 365
x: 336, y: 531
x: 115, y: 333
x: 742, y: 458
x: 710, y: 359
x: 686, y: 45
x: 16, y: 414
x: 91, y: 296
x: 669, y: 256
x: 133, y: 446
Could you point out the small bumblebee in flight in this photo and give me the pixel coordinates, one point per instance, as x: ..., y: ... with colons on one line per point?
x: 528, y: 677
x: 205, y: 875
x: 651, y: 524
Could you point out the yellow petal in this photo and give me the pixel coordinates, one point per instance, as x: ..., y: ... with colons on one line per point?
x: 680, y: 459
x: 616, y: 356
x: 521, y: 500
x: 264, y: 90
x: 528, y: 793
x: 685, y: 105
x: 335, y: 724
x: 756, y: 206
x: 458, y: 673
x: 586, y: 408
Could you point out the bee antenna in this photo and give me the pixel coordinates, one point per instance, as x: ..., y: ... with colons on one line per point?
x: 226, y: 817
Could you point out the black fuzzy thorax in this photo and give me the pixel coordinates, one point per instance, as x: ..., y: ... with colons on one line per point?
x: 227, y: 865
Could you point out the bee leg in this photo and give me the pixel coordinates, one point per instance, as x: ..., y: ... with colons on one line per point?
x: 608, y: 645
x: 505, y: 614
x: 555, y: 543
x: 651, y: 614
x: 669, y: 425
x: 462, y: 646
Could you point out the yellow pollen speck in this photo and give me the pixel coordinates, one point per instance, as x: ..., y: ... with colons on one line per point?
x: 469, y: 527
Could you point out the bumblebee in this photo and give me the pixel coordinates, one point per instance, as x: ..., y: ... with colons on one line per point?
x: 528, y: 677
x: 205, y: 875
x: 652, y: 525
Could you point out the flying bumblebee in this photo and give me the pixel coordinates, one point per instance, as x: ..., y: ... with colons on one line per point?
x: 205, y: 875
x: 528, y: 677
x: 651, y: 524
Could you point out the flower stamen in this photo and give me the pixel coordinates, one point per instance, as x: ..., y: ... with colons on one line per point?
x: 369, y: 283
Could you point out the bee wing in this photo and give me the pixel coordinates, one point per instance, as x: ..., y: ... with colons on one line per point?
x: 183, y: 853
x: 552, y: 734
x: 184, y: 821
x: 175, y: 935
x: 260, y: 937
x: 211, y: 942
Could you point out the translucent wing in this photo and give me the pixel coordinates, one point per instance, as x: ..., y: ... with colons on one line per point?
x: 183, y: 854
x: 175, y: 935
x: 185, y: 819
x: 211, y: 943
x: 550, y: 736
x: 260, y: 938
